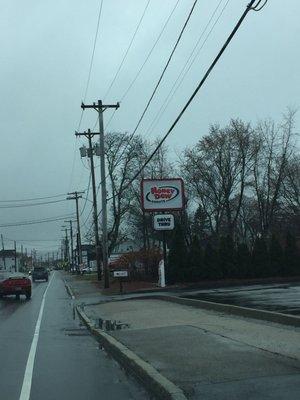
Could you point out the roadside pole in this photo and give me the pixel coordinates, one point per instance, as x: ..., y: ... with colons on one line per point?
x: 162, y: 272
x: 71, y: 243
x: 75, y: 196
x: 100, y: 108
x: 3, y: 258
x: 89, y: 136
x: 15, y: 247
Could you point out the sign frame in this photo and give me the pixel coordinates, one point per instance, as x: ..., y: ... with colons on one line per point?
x: 167, y: 181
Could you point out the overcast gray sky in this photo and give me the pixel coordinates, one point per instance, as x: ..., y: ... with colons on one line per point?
x: 45, y: 55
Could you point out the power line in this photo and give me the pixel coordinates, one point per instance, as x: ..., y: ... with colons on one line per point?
x: 149, y: 54
x: 84, y: 224
x: 235, y: 29
x: 32, y: 240
x: 87, y: 195
x: 32, y: 199
x: 93, y: 52
x: 91, y: 226
x: 38, y: 221
x: 87, y: 85
x: 158, y: 82
x: 127, y: 51
x: 142, y: 66
x: 183, y: 74
x: 33, y: 204
x: 161, y: 77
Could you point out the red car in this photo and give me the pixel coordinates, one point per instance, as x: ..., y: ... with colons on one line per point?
x: 14, y: 283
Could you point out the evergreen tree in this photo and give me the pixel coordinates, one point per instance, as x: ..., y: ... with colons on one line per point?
x: 177, y: 257
x: 227, y: 257
x: 259, y: 259
x: 276, y: 258
x: 195, y: 261
x: 243, y: 261
x: 291, y: 257
x: 210, y: 261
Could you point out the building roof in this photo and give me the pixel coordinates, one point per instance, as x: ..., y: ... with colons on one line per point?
x: 7, y: 253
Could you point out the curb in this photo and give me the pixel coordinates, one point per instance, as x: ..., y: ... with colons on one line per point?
x: 69, y: 290
x: 156, y: 383
x: 270, y: 316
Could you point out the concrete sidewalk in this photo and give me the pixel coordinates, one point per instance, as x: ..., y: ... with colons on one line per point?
x: 209, y: 355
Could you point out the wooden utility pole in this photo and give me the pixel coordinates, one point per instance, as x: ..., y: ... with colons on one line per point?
x: 71, y: 243
x: 75, y: 196
x: 100, y: 108
x: 89, y: 135
x: 22, y: 258
x: 3, y: 258
x: 66, y: 251
x: 15, y: 247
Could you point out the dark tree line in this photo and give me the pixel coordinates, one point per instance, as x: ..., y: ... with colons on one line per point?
x: 228, y: 260
x: 244, y: 185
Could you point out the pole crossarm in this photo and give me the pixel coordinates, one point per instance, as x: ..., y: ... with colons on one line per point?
x: 103, y: 107
x: 88, y: 134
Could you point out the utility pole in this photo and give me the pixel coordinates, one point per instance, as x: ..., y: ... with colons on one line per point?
x: 89, y: 135
x: 75, y: 196
x: 15, y: 247
x: 66, y: 255
x: 22, y: 258
x: 71, y: 243
x: 3, y: 258
x: 100, y: 108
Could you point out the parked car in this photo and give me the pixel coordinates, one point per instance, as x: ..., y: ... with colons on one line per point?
x: 15, y: 283
x: 39, y: 273
x: 85, y: 270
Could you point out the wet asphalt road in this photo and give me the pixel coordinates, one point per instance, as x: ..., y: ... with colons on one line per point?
x: 68, y: 363
x: 284, y: 298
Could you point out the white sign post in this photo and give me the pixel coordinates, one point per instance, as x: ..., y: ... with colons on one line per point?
x: 161, y: 274
x: 163, y: 195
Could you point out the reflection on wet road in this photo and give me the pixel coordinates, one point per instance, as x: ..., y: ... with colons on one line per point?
x: 281, y: 298
x: 67, y: 364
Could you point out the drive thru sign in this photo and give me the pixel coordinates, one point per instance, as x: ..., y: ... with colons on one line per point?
x: 163, y: 222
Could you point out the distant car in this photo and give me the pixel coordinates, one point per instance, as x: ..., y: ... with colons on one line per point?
x: 85, y: 270
x: 40, y: 273
x: 15, y: 283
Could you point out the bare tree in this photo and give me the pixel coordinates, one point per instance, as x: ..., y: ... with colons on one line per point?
x: 121, y: 154
x: 291, y: 186
x: 275, y: 147
x: 217, y: 172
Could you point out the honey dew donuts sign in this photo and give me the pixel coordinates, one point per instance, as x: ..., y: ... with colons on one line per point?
x: 162, y: 194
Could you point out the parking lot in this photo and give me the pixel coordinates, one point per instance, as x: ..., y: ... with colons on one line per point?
x: 284, y: 298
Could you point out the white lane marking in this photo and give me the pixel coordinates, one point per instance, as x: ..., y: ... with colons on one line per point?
x: 27, y: 380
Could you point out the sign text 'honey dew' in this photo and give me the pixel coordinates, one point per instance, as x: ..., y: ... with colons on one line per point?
x: 162, y: 194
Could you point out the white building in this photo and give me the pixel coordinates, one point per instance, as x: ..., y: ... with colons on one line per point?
x: 9, y: 260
